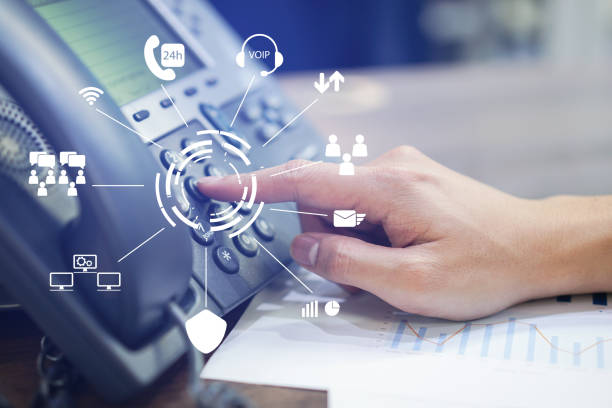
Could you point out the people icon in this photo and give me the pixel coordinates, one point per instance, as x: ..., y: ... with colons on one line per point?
x: 332, y: 149
x: 50, y: 179
x: 42, y: 189
x: 33, y: 177
x: 80, y: 177
x: 346, y: 167
x: 360, y: 149
x: 63, y: 178
x: 72, y: 191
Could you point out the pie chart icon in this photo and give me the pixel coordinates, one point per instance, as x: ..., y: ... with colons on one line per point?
x: 332, y: 308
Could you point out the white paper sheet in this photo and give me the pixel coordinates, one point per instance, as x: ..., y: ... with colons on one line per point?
x: 538, y: 353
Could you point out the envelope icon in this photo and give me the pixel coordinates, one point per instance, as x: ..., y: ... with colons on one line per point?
x: 347, y: 218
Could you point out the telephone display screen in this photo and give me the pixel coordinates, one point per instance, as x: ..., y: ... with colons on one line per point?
x: 109, y: 37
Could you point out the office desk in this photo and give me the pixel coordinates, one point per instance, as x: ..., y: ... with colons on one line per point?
x: 528, y: 130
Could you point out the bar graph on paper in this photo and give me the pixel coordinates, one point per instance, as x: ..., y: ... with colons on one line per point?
x: 567, y: 332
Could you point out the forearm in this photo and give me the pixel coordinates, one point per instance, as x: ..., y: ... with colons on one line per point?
x: 578, y: 250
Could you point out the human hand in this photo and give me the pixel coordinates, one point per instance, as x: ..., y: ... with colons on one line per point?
x: 434, y: 242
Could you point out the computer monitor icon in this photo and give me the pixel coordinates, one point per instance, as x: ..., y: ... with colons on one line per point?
x: 59, y: 281
x: 84, y: 262
x: 109, y: 280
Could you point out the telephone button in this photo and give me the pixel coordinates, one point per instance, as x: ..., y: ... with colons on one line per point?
x: 192, y: 189
x: 271, y: 115
x: 190, y: 91
x: 272, y: 102
x: 226, y: 259
x: 203, y: 234
x: 264, y: 229
x: 165, y: 103
x: 170, y: 156
x: 243, y: 210
x: 141, y: 115
x: 267, y: 131
x: 214, y: 171
x: 246, y: 244
x: 251, y: 113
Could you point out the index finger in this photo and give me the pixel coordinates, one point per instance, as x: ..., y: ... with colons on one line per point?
x: 311, y: 184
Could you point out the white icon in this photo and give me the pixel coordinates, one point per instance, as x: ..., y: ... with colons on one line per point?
x: 42, y: 190
x: 346, y: 167
x: 76, y: 160
x: 175, y: 55
x: 34, y: 157
x: 84, y: 262
x: 63, y: 158
x: 332, y: 308
x: 278, y: 57
x: 322, y: 86
x: 347, y: 218
x: 33, y: 179
x: 109, y: 280
x: 226, y: 255
x: 91, y: 94
x: 59, y: 281
x: 80, y: 178
x: 206, y: 331
x: 332, y: 149
x: 360, y: 149
x: 72, y: 191
x: 310, y: 310
x: 63, y: 178
x: 45, y: 160
x: 50, y: 179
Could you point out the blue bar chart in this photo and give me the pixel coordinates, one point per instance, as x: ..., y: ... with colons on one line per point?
x: 564, y: 334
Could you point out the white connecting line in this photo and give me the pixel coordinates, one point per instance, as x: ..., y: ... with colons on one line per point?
x: 117, y: 185
x: 297, y: 212
x: 281, y: 264
x: 128, y: 128
x: 143, y: 242
x: 242, y: 101
x: 296, y: 168
x: 291, y: 121
x: 173, y: 104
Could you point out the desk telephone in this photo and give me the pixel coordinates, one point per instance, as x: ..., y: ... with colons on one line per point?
x: 121, y: 341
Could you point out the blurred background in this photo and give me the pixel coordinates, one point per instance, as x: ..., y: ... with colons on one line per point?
x: 514, y: 93
x: 361, y: 33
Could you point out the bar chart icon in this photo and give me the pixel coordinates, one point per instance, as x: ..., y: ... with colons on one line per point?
x: 310, y: 310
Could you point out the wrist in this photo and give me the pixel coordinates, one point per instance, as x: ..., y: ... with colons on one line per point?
x: 573, y: 239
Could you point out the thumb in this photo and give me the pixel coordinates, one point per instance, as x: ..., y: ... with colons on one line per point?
x: 349, y: 261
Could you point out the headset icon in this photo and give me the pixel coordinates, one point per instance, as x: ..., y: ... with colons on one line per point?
x: 278, y: 57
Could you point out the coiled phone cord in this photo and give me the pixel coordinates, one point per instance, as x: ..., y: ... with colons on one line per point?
x: 215, y: 395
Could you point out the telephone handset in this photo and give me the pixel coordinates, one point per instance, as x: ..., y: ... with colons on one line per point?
x: 122, y: 341
x: 164, y: 74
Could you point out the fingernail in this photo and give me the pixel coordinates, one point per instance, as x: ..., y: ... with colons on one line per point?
x: 304, y: 250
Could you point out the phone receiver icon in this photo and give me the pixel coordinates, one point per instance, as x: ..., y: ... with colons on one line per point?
x: 163, y: 74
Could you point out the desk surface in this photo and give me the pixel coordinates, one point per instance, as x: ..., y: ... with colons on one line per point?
x: 531, y: 131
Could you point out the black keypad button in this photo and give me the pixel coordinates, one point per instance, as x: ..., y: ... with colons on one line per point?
x: 267, y: 131
x: 272, y: 102
x: 170, y: 156
x: 226, y: 259
x: 246, y: 244
x: 244, y: 209
x: 211, y: 81
x: 192, y: 189
x: 165, y: 103
x: 203, y: 234
x: 141, y: 115
x: 214, y: 171
x: 190, y: 91
x: 271, y: 115
x: 251, y: 113
x: 264, y: 229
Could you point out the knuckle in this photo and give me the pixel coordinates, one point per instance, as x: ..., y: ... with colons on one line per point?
x: 337, y: 261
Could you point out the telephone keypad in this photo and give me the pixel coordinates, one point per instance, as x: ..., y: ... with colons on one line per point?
x: 226, y: 259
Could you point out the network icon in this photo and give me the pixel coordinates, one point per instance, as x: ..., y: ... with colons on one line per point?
x: 91, y: 94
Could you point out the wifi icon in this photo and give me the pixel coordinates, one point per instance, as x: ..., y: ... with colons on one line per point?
x: 91, y: 94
